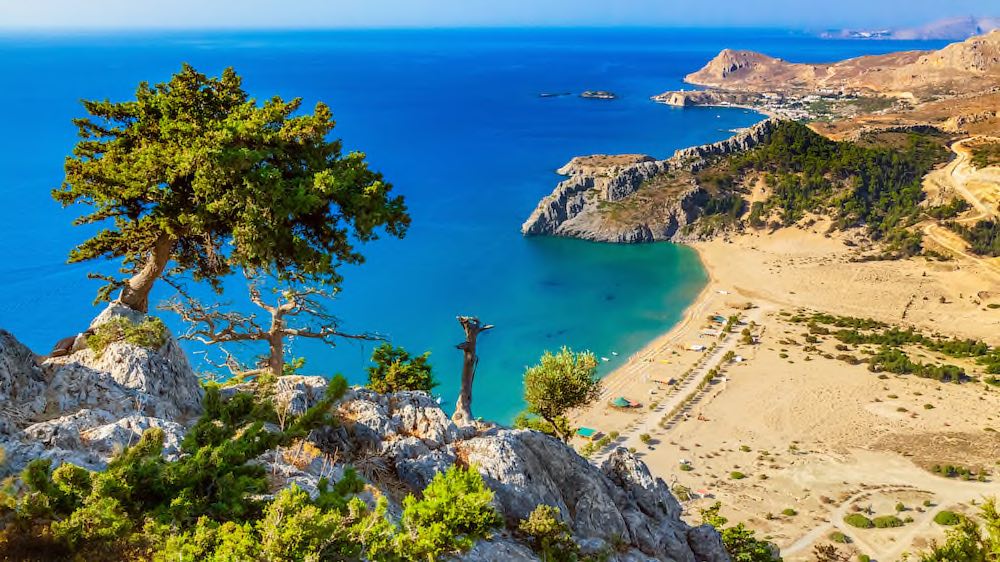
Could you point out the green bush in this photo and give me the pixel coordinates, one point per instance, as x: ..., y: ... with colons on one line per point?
x: 645, y: 438
x: 549, y: 535
x: 150, y: 333
x: 455, y: 511
x: 394, y: 370
x: 737, y: 475
x: 839, y: 537
x: 859, y: 521
x: 947, y: 518
x: 789, y: 512
x: 887, y: 522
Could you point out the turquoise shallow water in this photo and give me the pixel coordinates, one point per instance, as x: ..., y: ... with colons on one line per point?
x: 454, y: 120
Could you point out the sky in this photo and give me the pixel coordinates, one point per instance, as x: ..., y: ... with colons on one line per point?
x: 257, y: 14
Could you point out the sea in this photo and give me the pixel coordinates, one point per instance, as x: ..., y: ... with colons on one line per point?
x: 455, y: 120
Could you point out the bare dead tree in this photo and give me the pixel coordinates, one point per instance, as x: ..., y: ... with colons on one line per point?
x: 473, y: 327
x: 295, y: 312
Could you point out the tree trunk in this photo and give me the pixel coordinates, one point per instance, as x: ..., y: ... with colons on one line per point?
x: 135, y: 293
x: 472, y: 327
x: 276, y: 359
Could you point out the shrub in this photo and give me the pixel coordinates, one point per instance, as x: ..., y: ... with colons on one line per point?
x: 455, y: 511
x: 645, y: 438
x: 839, y: 537
x: 687, y: 467
x: 150, y: 333
x: 394, y: 370
x: 549, y: 535
x: 887, y: 522
x: 745, y: 448
x: 859, y: 521
x: 864, y: 558
x: 947, y: 518
x: 737, y: 475
x: 900, y: 507
x: 928, y: 406
x: 789, y: 512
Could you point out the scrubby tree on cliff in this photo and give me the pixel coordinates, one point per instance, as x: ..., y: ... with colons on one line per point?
x: 559, y: 383
x: 290, y: 310
x: 195, y: 176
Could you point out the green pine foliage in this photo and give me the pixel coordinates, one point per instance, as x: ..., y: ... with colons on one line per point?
x: 740, y: 542
x: 983, y: 237
x: 394, y: 370
x: 211, y: 502
x: 878, y: 187
x: 549, y: 535
x: 195, y: 172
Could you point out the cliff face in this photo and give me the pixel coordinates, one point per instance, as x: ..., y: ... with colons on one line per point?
x: 579, y: 205
x: 81, y: 409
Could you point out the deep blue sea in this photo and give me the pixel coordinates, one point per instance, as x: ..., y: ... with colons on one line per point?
x: 454, y: 120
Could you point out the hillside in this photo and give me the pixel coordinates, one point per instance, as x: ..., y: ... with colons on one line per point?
x: 969, y: 66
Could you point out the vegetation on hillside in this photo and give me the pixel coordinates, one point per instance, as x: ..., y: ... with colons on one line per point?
x: 877, y: 187
x: 211, y: 502
x: 983, y: 237
x: 985, y: 154
x: 891, y: 339
x: 967, y: 540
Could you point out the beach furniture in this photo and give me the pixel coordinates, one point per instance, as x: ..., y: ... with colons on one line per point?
x: 587, y: 433
x: 622, y: 402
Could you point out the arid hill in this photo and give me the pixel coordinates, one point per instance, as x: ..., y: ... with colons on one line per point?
x: 969, y: 66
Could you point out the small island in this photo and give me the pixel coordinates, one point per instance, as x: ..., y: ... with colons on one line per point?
x: 599, y: 95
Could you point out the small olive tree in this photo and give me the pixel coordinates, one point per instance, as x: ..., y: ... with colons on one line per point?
x: 559, y: 383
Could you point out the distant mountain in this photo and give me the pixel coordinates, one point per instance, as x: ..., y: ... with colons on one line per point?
x: 953, y: 29
x: 967, y: 66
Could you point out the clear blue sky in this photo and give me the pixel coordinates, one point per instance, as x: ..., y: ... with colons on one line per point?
x: 812, y: 14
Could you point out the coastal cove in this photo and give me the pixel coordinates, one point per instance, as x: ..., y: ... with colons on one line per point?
x: 454, y: 119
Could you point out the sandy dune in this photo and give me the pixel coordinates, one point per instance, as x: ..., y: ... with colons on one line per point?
x: 810, y: 432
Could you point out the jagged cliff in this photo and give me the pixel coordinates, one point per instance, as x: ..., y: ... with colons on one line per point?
x: 83, y: 408
x: 594, y: 202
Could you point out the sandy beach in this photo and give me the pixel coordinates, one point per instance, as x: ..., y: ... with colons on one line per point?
x: 790, y: 428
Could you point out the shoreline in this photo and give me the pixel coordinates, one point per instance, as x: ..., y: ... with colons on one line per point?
x: 634, y: 362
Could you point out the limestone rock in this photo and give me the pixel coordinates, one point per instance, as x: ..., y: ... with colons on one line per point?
x: 109, y: 438
x: 22, y: 383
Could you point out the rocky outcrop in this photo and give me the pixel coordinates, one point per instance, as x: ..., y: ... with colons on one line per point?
x: 397, y: 442
x: 22, y: 383
x: 577, y: 206
x: 84, y: 407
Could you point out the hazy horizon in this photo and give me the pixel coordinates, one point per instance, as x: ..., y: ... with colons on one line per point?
x: 99, y: 15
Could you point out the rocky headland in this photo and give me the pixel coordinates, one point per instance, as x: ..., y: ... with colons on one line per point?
x: 84, y: 408
x: 604, y: 197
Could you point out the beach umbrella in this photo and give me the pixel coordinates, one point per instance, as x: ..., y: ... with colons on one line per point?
x: 621, y: 402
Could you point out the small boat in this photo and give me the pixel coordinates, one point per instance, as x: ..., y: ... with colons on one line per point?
x: 605, y: 359
x: 615, y: 353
